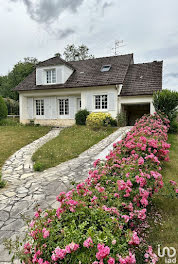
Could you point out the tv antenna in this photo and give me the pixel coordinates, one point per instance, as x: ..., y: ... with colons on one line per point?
x: 117, y: 45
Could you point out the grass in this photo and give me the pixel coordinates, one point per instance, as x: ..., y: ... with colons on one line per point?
x: 165, y: 232
x: 68, y: 145
x: 14, y: 137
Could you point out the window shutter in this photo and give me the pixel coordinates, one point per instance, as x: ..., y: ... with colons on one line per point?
x: 59, y: 75
x: 39, y: 76
x: 30, y: 108
x: 72, y: 108
x: 47, y: 108
x: 54, y: 108
x: 89, y: 101
x: 112, y: 97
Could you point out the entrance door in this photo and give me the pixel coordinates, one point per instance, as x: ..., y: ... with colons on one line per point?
x: 78, y: 104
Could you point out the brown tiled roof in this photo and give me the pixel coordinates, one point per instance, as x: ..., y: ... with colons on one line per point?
x: 143, y: 79
x: 86, y: 73
x: 57, y: 60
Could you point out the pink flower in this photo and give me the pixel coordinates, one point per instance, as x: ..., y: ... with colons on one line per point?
x: 140, y: 161
x: 45, y: 232
x: 73, y: 246
x: 173, y: 183
x: 103, y: 252
x: 144, y: 201
x: 135, y: 239
x: 88, y: 243
x: 114, y: 242
x: 36, y: 214
x: 96, y: 162
x: 111, y: 261
x: 60, y: 253
x: 94, y: 198
x: 27, y: 248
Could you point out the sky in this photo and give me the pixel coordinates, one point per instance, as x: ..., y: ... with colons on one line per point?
x: 41, y: 28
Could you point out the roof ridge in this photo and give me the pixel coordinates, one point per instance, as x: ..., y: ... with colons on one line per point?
x: 104, y: 57
x: 150, y: 62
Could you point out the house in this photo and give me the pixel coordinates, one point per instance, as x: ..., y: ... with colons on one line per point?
x: 57, y: 89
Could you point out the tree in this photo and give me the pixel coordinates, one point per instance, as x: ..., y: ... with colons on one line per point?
x: 73, y: 53
x: 166, y: 101
x: 19, y: 72
x: 3, y: 109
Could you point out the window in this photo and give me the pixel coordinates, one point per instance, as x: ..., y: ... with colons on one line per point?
x: 101, y: 101
x: 51, y: 76
x: 105, y: 68
x: 63, y: 106
x: 39, y: 107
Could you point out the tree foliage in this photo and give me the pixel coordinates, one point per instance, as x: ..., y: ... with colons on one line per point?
x: 3, y: 109
x: 166, y: 101
x: 19, y: 72
x: 74, y: 53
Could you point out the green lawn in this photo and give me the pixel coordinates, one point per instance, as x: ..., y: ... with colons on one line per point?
x: 69, y: 144
x: 165, y: 231
x: 13, y: 138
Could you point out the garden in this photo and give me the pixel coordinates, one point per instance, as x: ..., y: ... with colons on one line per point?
x: 117, y: 215
x: 100, y: 220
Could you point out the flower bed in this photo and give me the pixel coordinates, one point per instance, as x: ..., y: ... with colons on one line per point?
x: 96, y: 221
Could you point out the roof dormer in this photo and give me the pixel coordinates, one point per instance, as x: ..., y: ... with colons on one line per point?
x: 53, y: 71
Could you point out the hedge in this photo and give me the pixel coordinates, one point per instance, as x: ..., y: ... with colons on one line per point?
x: 96, y: 221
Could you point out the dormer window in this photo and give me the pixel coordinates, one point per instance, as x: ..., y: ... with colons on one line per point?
x: 50, y: 76
x: 105, y: 68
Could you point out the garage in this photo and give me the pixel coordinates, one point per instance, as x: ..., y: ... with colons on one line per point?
x: 134, y: 112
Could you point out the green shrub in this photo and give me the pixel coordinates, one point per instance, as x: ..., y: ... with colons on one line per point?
x: 166, y: 101
x: 98, y: 120
x: 10, y: 122
x: 173, y: 126
x: 3, y: 109
x: 38, y: 166
x: 81, y: 117
x: 121, y: 119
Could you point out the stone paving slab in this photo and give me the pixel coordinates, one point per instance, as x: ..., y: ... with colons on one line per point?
x: 41, y: 188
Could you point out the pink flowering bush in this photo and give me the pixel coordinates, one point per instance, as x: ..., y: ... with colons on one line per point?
x: 96, y: 221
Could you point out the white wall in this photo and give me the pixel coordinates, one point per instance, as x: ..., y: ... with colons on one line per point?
x: 62, y: 74
x: 88, y: 99
x: 27, y: 102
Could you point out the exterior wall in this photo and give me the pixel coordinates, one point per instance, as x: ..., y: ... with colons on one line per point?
x: 50, y: 122
x: 51, y: 115
x: 124, y: 100
x: 88, y: 100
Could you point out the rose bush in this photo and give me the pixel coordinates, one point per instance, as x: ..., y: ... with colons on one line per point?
x: 96, y: 221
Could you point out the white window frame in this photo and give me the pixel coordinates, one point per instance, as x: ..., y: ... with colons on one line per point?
x: 100, y: 109
x: 41, y: 109
x: 58, y: 106
x: 52, y: 77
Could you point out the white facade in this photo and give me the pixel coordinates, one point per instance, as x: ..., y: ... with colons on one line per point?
x: 51, y: 115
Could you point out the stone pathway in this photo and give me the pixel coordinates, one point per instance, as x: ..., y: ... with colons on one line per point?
x: 26, y: 188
